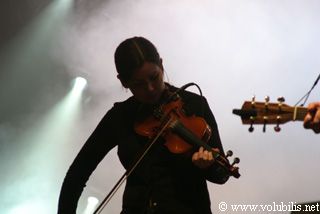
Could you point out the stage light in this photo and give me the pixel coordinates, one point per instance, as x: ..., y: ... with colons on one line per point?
x: 80, y: 83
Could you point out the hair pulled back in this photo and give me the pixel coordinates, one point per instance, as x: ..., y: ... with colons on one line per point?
x: 131, y: 55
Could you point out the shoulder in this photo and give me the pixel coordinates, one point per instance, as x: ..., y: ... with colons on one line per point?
x: 187, y: 95
x: 130, y: 102
x: 193, y: 103
x: 124, y: 108
x: 192, y: 98
x: 119, y: 114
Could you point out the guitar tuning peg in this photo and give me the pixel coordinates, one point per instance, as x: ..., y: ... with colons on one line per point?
x: 277, y: 127
x: 266, y: 104
x: 235, y: 161
x: 251, y: 128
x: 251, y: 124
x: 253, y: 101
x: 267, y: 99
x: 281, y: 99
x: 229, y: 153
x: 265, y: 118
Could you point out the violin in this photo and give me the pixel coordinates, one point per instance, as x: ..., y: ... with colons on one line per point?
x: 182, y: 132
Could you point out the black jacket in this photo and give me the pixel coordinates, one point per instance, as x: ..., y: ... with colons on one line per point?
x: 163, y: 182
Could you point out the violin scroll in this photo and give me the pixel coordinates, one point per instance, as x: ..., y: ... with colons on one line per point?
x: 231, y: 168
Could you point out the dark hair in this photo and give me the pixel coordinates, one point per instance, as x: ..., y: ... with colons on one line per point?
x: 132, y: 53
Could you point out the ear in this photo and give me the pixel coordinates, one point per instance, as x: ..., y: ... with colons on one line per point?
x: 124, y: 83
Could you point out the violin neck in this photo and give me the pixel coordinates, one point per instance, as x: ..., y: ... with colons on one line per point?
x: 189, y: 137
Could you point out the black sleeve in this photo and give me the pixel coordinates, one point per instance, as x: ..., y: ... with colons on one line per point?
x: 100, y: 142
x: 215, y: 173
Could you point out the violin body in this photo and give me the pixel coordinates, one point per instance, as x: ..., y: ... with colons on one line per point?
x: 174, y: 114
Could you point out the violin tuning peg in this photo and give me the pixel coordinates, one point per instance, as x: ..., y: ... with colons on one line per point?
x: 229, y: 153
x: 235, y: 161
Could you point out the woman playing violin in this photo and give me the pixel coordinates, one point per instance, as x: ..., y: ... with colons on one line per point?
x: 163, y: 182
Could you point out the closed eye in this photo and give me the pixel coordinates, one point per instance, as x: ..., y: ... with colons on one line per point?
x: 155, y: 77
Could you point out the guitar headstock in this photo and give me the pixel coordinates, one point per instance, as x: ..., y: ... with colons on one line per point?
x: 264, y: 113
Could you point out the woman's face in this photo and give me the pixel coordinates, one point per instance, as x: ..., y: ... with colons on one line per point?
x: 146, y: 83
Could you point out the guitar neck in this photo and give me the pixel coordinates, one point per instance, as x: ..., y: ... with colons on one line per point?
x: 298, y: 113
x: 270, y: 113
x: 265, y: 113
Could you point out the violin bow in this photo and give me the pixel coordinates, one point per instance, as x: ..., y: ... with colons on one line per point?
x: 127, y: 173
x: 264, y: 113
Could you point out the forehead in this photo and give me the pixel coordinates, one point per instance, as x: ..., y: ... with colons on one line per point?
x: 148, y: 69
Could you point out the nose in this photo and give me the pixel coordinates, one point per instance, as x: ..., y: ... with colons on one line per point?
x: 150, y: 86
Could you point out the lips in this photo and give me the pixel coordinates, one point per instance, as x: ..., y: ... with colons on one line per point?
x: 152, y: 98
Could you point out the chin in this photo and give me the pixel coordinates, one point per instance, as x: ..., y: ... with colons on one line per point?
x: 151, y: 100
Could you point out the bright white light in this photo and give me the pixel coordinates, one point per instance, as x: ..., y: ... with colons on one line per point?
x: 80, y: 83
x: 92, y: 203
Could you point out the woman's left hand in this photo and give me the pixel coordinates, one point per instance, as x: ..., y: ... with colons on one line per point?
x: 203, y: 158
x: 312, y: 119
